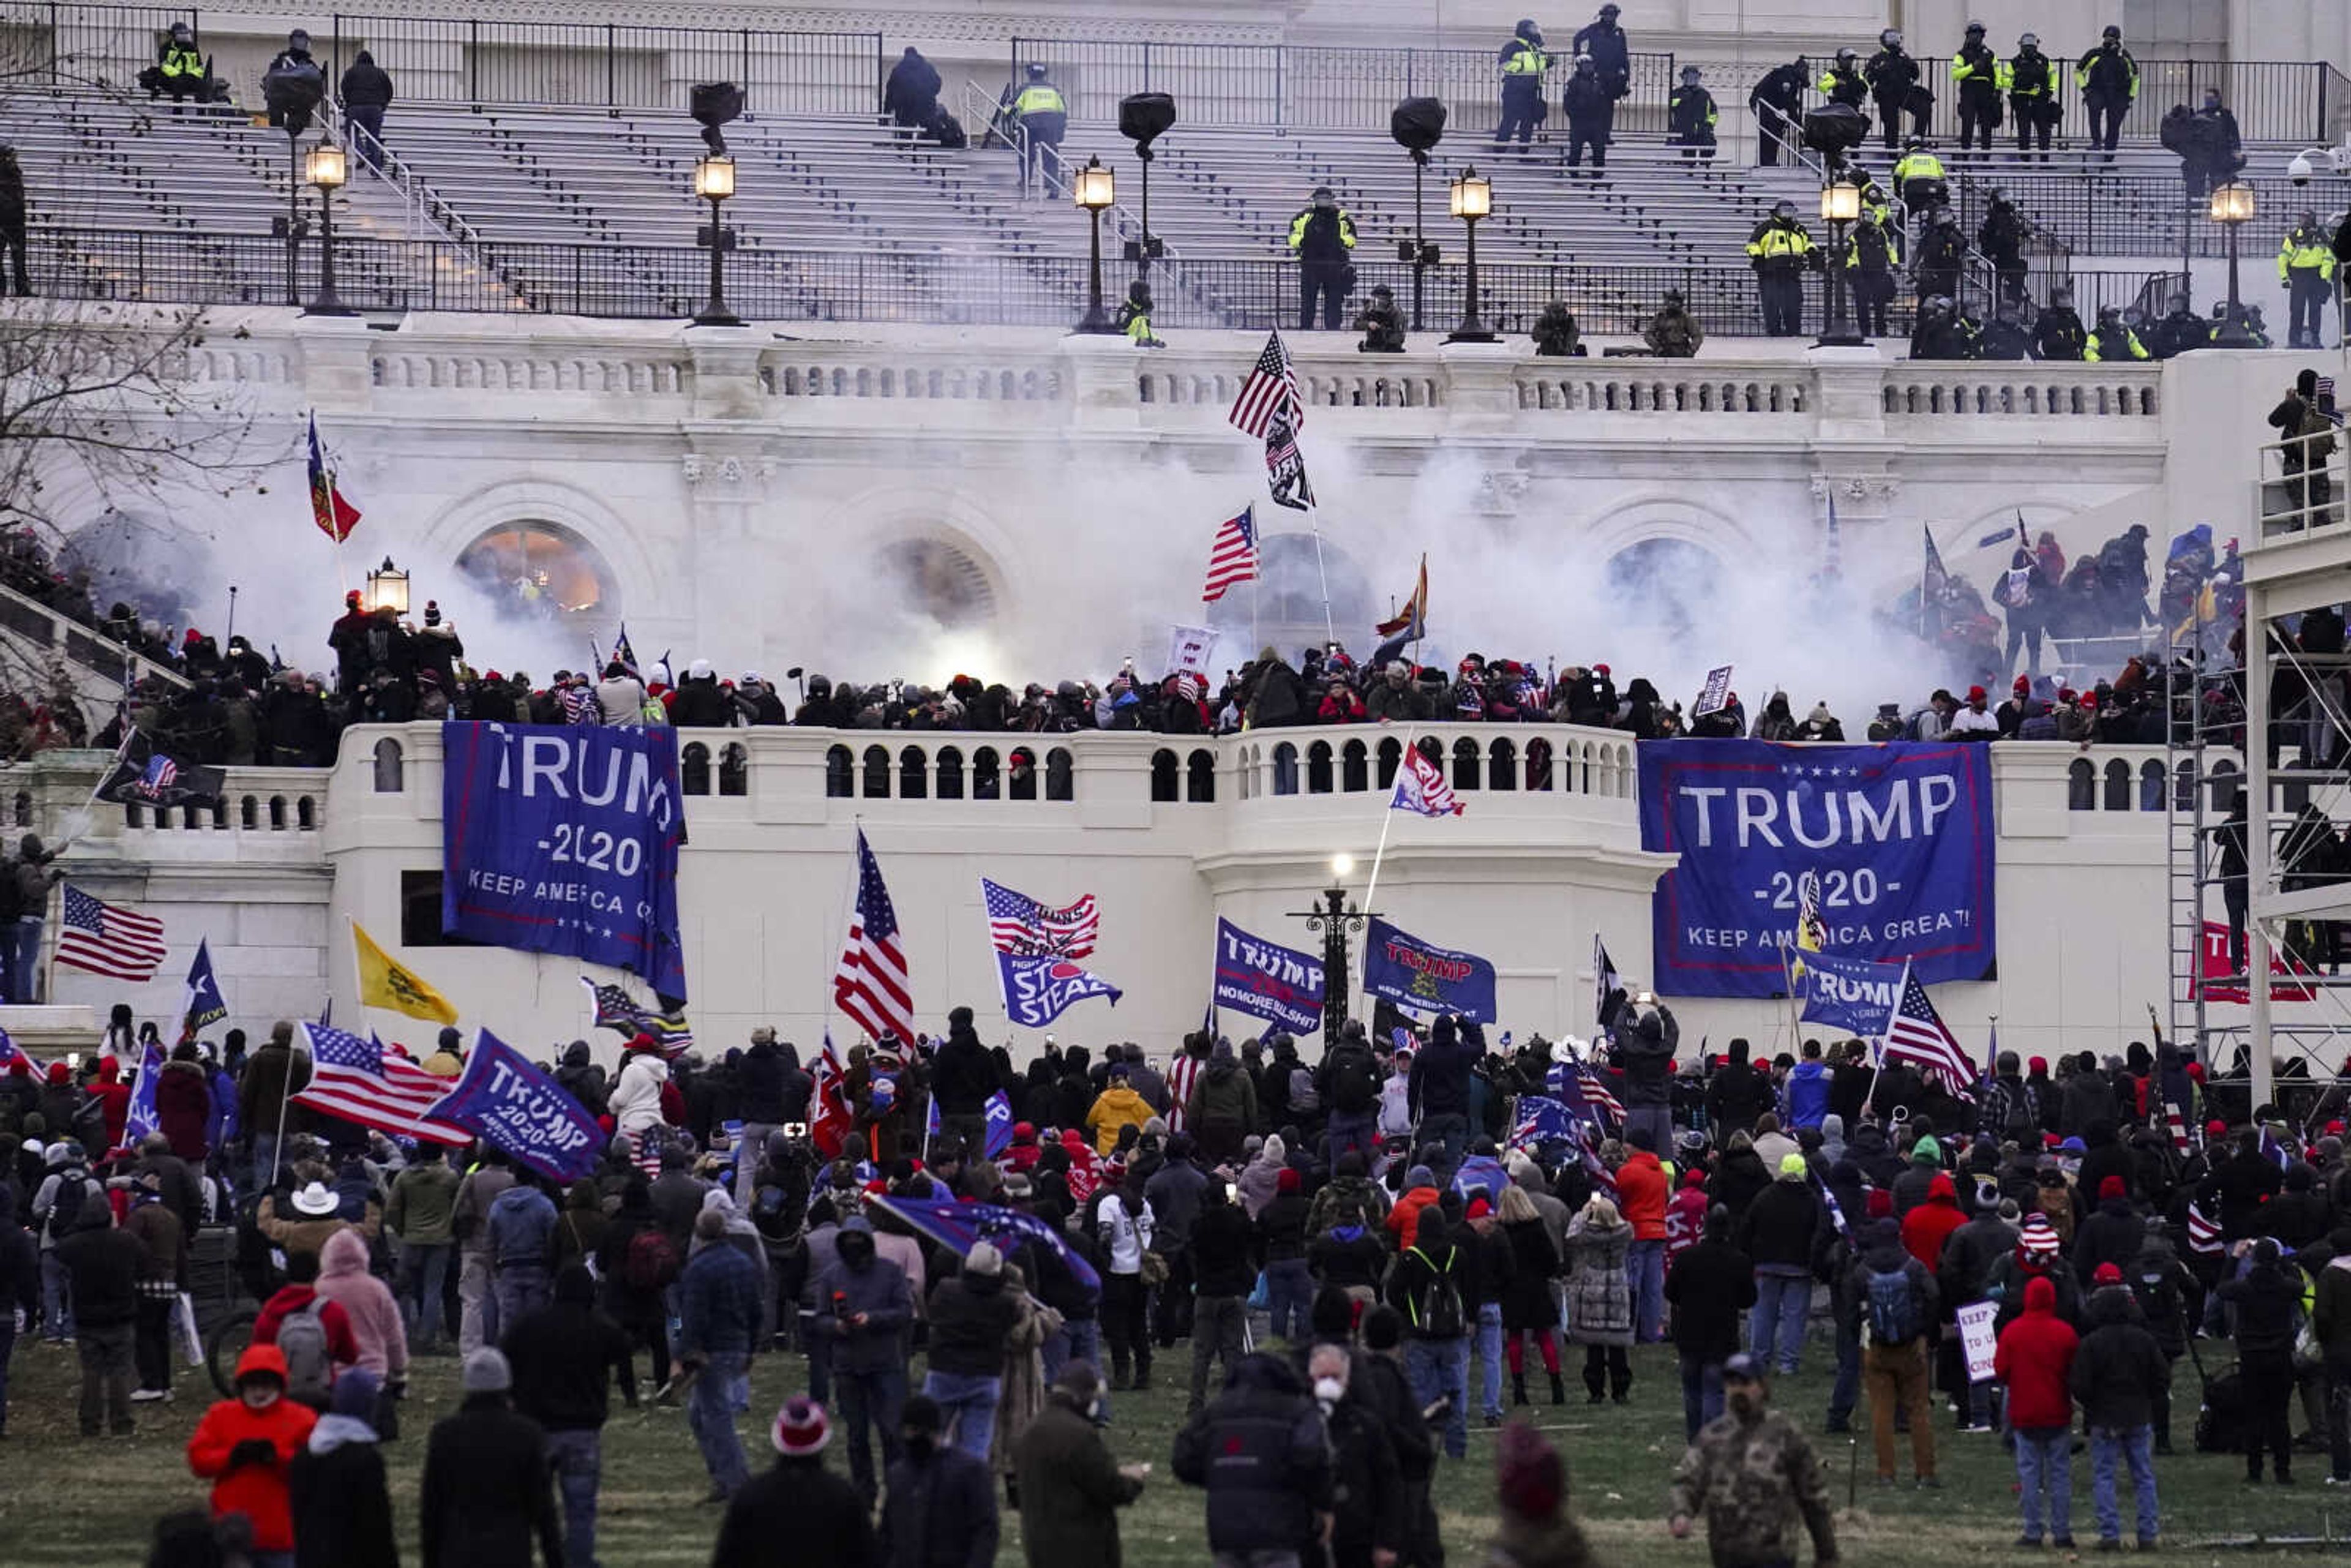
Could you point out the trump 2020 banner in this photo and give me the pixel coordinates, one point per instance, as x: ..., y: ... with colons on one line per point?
x: 1280, y: 985
x: 1900, y: 836
x: 514, y: 1106
x: 1423, y: 977
x: 564, y: 839
x: 1855, y: 995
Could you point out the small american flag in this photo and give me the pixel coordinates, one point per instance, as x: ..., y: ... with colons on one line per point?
x: 1018, y: 923
x: 98, y: 936
x: 1917, y: 1034
x: 1271, y: 388
x: 361, y: 1081
x: 1420, y: 787
x: 161, y: 773
x: 1285, y: 467
x: 1596, y: 1093
x: 1232, y: 557
x: 2203, y: 1236
x: 2176, y: 1125
x: 579, y: 704
x: 871, y: 984
x: 1182, y: 1074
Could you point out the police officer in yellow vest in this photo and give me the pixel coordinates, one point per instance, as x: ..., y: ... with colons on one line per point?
x: 1522, y: 62
x: 2111, y: 338
x: 1323, y: 237
x: 1918, y: 175
x: 1980, y: 77
x: 2033, y: 89
x: 1780, y: 249
x: 2306, y: 269
x: 1843, y: 83
x: 179, y: 68
x: 1043, y: 116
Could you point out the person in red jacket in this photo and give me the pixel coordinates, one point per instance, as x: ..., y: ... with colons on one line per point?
x: 1642, y: 1188
x: 113, y: 1096
x: 1926, y: 1227
x: 1685, y: 1217
x: 2035, y: 1358
x: 184, y: 1104
x: 243, y: 1447
x: 299, y: 1292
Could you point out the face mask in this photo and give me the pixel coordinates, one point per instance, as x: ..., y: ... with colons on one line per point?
x: 1329, y: 1390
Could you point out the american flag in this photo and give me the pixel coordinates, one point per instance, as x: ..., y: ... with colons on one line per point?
x: 871, y: 985
x: 1271, y: 389
x: 1182, y: 1074
x: 104, y: 940
x: 619, y: 1011
x: 1018, y: 923
x: 361, y: 1081
x: 1596, y: 1093
x: 1232, y: 556
x: 579, y: 704
x: 12, y: 1053
x: 1539, y: 1118
x: 1917, y: 1034
x: 1420, y: 787
x: 161, y: 773
x: 2203, y: 1235
x: 2176, y: 1125
x: 1285, y: 467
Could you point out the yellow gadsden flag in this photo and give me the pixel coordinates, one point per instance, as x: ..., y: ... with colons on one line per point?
x: 385, y: 982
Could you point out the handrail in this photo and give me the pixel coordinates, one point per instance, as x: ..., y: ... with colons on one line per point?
x: 82, y: 643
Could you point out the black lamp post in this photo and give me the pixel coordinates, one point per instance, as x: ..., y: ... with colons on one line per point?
x: 1418, y: 124
x: 2233, y: 208
x: 1335, y: 919
x: 713, y: 181
x: 1093, y: 189
x: 1841, y: 206
x: 1470, y: 198
x: 1143, y: 118
x: 328, y: 169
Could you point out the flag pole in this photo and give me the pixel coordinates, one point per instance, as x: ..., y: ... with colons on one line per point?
x: 1387, y: 816
x: 1329, y: 634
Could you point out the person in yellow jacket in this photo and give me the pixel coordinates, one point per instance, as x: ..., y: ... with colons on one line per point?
x: 1843, y: 83
x: 2111, y: 338
x: 1780, y: 250
x: 1522, y: 63
x: 2306, y: 270
x: 1981, y: 77
x: 1116, y: 1107
x: 1135, y: 317
x: 1322, y: 237
x: 1042, y: 114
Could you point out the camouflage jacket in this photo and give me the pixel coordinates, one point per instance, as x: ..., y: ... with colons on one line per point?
x: 1751, y: 1481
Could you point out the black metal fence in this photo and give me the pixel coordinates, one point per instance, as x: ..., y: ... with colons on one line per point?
x: 765, y: 285
x: 105, y: 46
x: 487, y: 61
x: 1290, y: 86
x: 2273, y: 101
x: 2143, y: 214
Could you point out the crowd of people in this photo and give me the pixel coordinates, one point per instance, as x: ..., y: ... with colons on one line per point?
x: 1413, y: 1234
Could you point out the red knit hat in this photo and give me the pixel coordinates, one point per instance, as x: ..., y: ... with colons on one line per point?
x: 2216, y: 1128
x: 1288, y: 1182
x: 2112, y: 1187
x: 2038, y: 1066
x: 1530, y: 1478
x: 1880, y: 1205
x: 802, y: 1428
x: 2106, y: 1274
x: 1479, y: 1208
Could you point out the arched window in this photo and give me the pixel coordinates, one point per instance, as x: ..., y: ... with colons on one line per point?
x: 877, y: 773
x: 1023, y: 765
x: 1391, y: 759
x: 278, y: 814
x: 1502, y: 769
x: 543, y: 571
x: 1318, y: 769
x: 2081, y: 785
x: 1163, y: 776
x: 305, y: 812
x: 694, y: 769
x: 839, y: 774
x: 249, y: 812
x: 387, y: 771
x: 987, y: 782
x: 735, y: 769
x: 1059, y: 783
x: 133, y: 814
x: 2118, y: 786
x: 1465, y: 763
x: 1285, y: 769
x: 1538, y: 775
x: 950, y: 773
x: 2150, y: 785
x: 1200, y: 778
x: 1354, y: 769
x: 913, y: 774
x: 219, y: 814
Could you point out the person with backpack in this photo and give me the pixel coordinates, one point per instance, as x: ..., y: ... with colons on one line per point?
x: 57, y: 1214
x: 638, y: 1262
x: 312, y: 1333
x: 1430, y: 1287
x: 373, y: 1314
x: 2034, y: 1362
x: 563, y: 1358
x: 1896, y: 1299
x: 1348, y: 1083
x: 244, y: 1445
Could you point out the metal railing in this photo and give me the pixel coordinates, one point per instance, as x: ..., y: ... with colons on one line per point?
x: 794, y: 284
x: 2141, y: 215
x: 1292, y: 86
x: 2273, y: 101
x: 107, y: 45
x: 487, y: 62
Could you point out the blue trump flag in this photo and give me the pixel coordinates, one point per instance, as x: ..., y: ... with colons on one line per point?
x: 564, y: 839
x: 1898, y: 835
x: 205, y: 1006
x: 1853, y: 994
x: 512, y: 1105
x: 1423, y: 977
x: 1541, y: 1119
x: 1481, y: 1173
x: 955, y: 1224
x: 141, y: 1119
x: 1280, y: 985
x: 998, y: 1112
x: 1039, y: 989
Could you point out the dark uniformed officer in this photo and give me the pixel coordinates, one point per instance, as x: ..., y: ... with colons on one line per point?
x: 1524, y: 63
x: 2179, y: 332
x: 1940, y: 331
x: 2057, y: 331
x: 1942, y: 252
x: 1323, y: 237
x: 2113, y: 339
x: 1673, y: 333
x: 12, y: 214
x: 1778, y: 101
x: 2002, y: 236
x: 1690, y: 116
x: 1780, y: 249
x: 1589, y: 111
x: 1612, y: 57
x: 1843, y: 83
x: 2306, y: 269
x: 1873, y: 255
x: 2108, y: 78
x: 2033, y: 87
x: 2003, y: 337
x: 1043, y: 116
x: 1980, y: 77
x: 1893, y: 77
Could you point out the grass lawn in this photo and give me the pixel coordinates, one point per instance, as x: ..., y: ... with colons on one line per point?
x: 76, y: 1504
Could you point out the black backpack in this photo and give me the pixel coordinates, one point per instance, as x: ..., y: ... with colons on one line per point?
x: 2221, y: 1424
x: 1446, y: 1319
x: 1354, y: 1090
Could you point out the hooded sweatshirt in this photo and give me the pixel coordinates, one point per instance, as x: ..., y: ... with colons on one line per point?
x: 256, y: 1490
x: 1926, y: 1227
x: 367, y: 1302
x: 2035, y: 1360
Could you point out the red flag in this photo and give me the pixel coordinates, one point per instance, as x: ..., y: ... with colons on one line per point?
x: 829, y: 1117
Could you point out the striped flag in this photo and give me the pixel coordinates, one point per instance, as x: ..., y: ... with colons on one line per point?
x: 360, y: 1080
x: 1917, y: 1034
x: 1285, y: 465
x: 1182, y: 1074
x: 1420, y: 787
x: 1596, y: 1095
x: 2176, y: 1125
x: 107, y: 940
x: 1232, y: 555
x: 871, y: 984
x: 1412, y: 622
x: 335, y: 516
x: 1541, y: 1118
x: 2203, y: 1235
x: 1271, y: 389
x: 1019, y: 923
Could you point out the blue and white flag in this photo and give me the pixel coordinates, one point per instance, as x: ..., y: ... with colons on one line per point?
x: 1425, y: 977
x: 998, y: 1112
x: 141, y: 1119
x: 205, y: 1006
x: 1857, y: 994
x: 1481, y: 1173
x: 1039, y: 989
x: 2277, y: 1154
x: 1543, y: 1120
x: 1266, y: 980
x: 957, y: 1224
x: 512, y: 1105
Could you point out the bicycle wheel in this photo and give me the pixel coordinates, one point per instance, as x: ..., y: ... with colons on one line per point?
x: 224, y: 1346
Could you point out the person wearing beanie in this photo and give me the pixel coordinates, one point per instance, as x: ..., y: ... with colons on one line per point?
x: 863, y: 1305
x: 1710, y: 1284
x: 940, y: 1503
x: 963, y: 1076
x: 1600, y: 1298
x: 448, y: 1058
x: 1971, y: 1256
x: 1896, y: 1299
x: 1642, y: 1194
x: 244, y: 1445
x: 1431, y: 1286
x: 1260, y: 1452
x: 2035, y: 1363
x: 484, y: 1494
x: 2111, y: 1235
x: 1530, y: 1484
x: 798, y: 1502
x: 1224, y: 1270
x: 1752, y: 1476
x: 1776, y: 1233
x: 1070, y: 1485
x: 340, y: 1503
x: 972, y: 1315
x: 274, y: 1073
x: 2118, y: 1375
x: 1281, y: 1236
x: 1420, y: 1192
